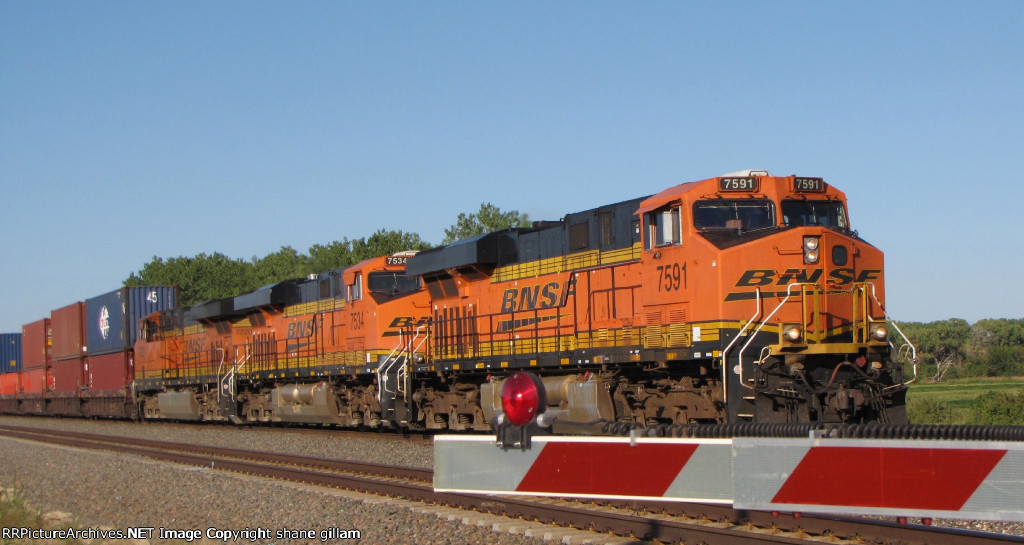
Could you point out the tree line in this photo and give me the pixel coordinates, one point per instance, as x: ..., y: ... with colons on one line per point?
x: 204, y: 277
x: 954, y: 348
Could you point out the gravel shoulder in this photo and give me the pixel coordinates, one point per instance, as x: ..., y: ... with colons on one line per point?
x: 101, y: 489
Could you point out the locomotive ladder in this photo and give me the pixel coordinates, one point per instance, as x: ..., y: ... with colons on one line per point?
x: 393, y: 372
x: 907, y: 350
x: 227, y: 382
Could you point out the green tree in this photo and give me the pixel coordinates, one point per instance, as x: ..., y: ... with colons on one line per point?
x: 488, y: 219
x: 340, y: 254
x: 996, y: 348
x: 940, y: 345
x: 386, y: 243
x: 200, y: 278
x: 281, y: 265
x: 335, y: 255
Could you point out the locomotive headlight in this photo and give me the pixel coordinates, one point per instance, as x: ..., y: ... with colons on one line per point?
x: 792, y: 333
x: 811, y: 254
x: 879, y: 332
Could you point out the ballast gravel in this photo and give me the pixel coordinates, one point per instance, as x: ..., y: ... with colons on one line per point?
x: 101, y: 489
x: 337, y: 444
x: 107, y: 490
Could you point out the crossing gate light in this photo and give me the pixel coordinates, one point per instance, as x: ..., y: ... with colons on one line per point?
x: 522, y: 398
x: 522, y: 401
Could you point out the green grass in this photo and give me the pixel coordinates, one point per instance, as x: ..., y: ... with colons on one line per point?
x: 16, y: 513
x: 953, y: 401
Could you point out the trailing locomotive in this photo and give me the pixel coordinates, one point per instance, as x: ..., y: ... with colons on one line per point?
x: 740, y: 298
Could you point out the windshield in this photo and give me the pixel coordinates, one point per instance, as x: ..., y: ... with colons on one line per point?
x: 393, y: 282
x: 797, y: 213
x: 745, y: 215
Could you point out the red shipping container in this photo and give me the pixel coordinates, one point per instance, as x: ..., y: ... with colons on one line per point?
x: 9, y: 383
x: 110, y: 372
x: 68, y: 327
x: 67, y: 375
x: 36, y: 345
x: 33, y: 381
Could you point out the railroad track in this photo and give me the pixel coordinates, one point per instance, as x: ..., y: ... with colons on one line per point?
x: 300, y: 429
x: 661, y: 521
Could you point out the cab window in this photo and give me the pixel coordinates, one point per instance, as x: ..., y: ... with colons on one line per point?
x: 742, y: 215
x: 798, y: 213
x: 355, y: 290
x: 392, y: 283
x: 150, y: 331
x: 664, y: 227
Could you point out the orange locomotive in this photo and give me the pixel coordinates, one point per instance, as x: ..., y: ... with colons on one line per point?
x: 305, y: 351
x: 741, y: 298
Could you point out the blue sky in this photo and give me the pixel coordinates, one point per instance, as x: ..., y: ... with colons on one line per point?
x: 137, y: 129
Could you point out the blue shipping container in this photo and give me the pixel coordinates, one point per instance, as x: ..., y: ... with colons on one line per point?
x: 112, y: 319
x: 10, y: 352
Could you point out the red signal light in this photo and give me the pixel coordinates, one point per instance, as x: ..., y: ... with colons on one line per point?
x: 522, y: 398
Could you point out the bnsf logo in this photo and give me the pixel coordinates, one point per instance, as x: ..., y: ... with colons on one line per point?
x: 298, y: 330
x: 409, y: 321
x: 549, y: 295
x: 765, y: 277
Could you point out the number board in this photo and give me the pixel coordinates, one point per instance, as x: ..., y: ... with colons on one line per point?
x: 746, y: 183
x: 809, y: 185
x: 396, y: 260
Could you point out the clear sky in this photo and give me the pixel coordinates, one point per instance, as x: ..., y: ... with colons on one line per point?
x: 137, y: 129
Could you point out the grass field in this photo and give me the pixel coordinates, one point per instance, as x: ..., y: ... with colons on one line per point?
x: 957, y: 396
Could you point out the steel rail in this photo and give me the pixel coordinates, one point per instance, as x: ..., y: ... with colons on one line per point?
x: 143, y: 446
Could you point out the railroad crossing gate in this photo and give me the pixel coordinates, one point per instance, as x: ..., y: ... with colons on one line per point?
x: 933, y: 479
x: 914, y: 478
x: 695, y: 470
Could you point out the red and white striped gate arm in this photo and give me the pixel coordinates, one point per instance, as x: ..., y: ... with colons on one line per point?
x: 692, y: 470
x: 934, y: 479
x: 928, y: 479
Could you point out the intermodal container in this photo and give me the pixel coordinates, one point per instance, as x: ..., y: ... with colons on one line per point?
x: 33, y: 381
x: 109, y: 372
x: 10, y: 352
x: 68, y: 326
x: 112, y: 319
x: 36, y: 345
x: 68, y: 375
x: 10, y: 383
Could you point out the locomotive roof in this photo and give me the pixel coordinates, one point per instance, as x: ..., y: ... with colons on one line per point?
x: 665, y: 197
x: 521, y: 244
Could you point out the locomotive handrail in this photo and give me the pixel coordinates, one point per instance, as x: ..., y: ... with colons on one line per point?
x: 391, y: 360
x: 403, y: 372
x: 220, y: 366
x: 789, y: 294
x: 907, y: 343
x: 231, y: 373
x: 725, y: 353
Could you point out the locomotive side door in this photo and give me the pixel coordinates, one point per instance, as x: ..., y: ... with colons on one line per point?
x: 666, y: 288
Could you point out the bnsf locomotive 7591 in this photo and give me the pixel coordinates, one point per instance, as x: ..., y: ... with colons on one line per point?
x: 740, y: 298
